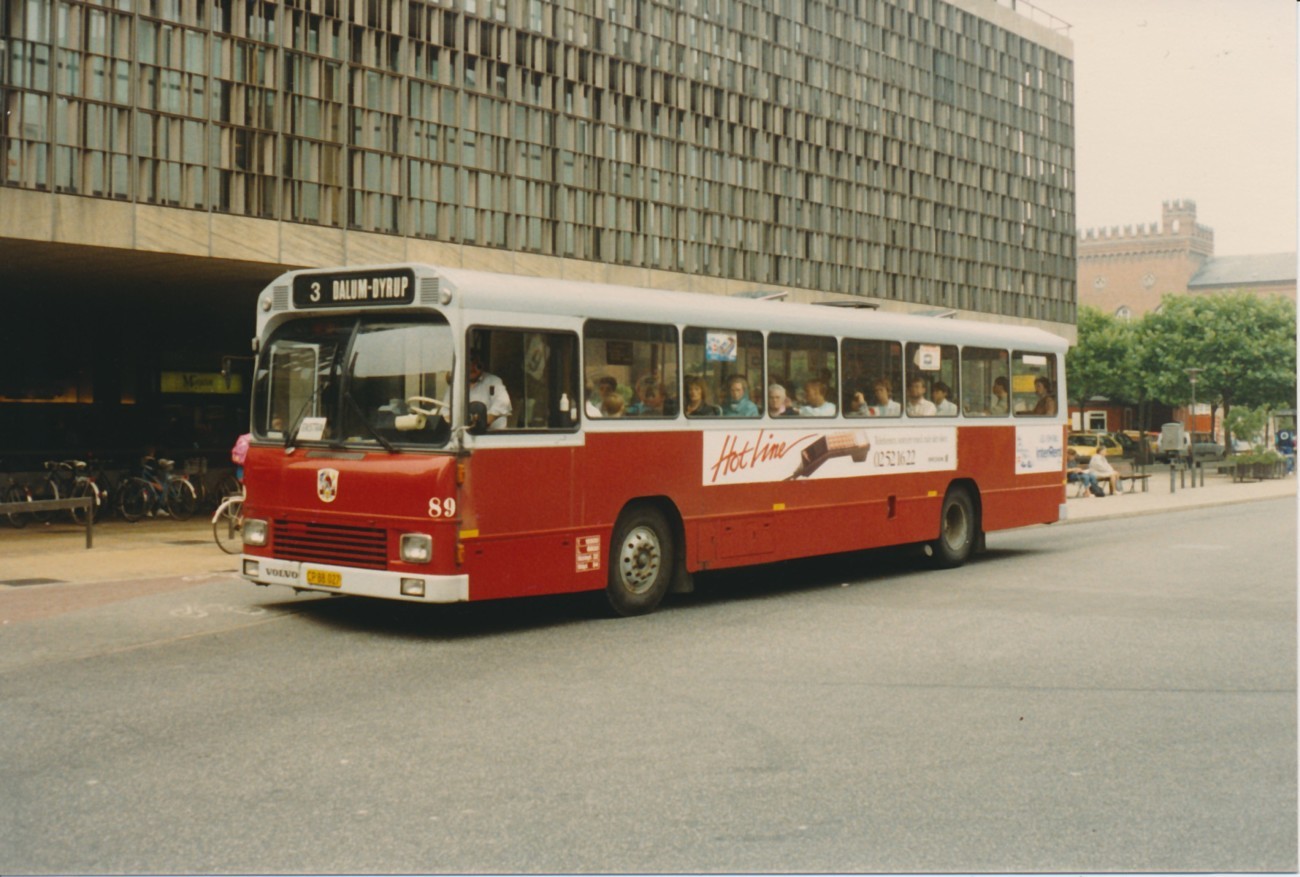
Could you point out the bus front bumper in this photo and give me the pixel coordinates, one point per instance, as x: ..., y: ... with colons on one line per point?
x: 416, y: 587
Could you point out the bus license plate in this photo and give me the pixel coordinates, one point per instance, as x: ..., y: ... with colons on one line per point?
x: 325, y: 578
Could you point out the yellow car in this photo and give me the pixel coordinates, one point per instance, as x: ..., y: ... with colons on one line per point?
x: 1086, y: 444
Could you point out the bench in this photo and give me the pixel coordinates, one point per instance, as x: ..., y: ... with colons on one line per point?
x: 51, y: 505
x: 1128, y: 473
x: 1124, y: 471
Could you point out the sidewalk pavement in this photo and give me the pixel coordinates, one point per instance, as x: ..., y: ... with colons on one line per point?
x: 1218, y: 490
x: 165, y: 549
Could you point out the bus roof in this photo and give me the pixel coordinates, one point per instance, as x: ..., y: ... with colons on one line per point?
x: 484, y: 290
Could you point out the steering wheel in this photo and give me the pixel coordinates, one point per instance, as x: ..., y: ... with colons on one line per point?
x: 425, y: 400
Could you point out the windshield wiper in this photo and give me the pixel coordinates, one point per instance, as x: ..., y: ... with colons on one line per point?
x: 365, y: 421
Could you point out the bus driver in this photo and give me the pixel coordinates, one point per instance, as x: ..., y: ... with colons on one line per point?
x: 487, y: 388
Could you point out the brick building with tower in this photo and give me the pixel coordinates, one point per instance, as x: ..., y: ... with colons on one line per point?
x: 1126, y: 271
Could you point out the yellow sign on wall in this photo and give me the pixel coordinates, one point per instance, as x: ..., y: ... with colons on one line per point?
x: 202, y: 382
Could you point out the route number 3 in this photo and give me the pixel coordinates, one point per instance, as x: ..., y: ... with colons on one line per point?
x: 442, y: 508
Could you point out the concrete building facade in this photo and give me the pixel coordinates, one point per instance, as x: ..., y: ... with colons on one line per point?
x: 180, y: 153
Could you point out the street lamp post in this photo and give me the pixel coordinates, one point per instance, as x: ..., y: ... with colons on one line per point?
x: 1192, y: 374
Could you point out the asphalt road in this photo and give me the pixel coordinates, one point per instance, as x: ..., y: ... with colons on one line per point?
x: 1116, y: 695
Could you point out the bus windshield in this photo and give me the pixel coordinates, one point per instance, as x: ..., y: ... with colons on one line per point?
x: 372, y: 380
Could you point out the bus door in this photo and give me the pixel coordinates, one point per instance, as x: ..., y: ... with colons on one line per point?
x: 520, y: 493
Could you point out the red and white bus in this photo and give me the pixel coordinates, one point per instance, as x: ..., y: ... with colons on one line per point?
x: 442, y: 435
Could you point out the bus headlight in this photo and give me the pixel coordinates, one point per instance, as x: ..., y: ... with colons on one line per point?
x: 416, y: 548
x: 255, y: 531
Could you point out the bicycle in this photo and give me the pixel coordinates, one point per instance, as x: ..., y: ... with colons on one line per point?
x: 156, y: 489
x: 209, y: 496
x: 228, y: 523
x: 228, y: 485
x: 71, y: 478
x: 16, y: 491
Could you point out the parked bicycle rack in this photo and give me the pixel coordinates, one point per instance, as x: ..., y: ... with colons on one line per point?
x: 51, y: 505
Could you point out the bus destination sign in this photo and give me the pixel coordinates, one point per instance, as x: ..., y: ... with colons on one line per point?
x: 354, y: 289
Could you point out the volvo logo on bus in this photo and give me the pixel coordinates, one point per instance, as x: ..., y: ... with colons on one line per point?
x: 354, y: 289
x: 327, y: 484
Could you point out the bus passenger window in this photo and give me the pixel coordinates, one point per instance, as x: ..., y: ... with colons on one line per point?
x: 805, y: 367
x: 630, y: 370
x: 931, y: 375
x: 985, y: 386
x: 521, y: 380
x: 727, y: 364
x: 1033, y: 384
x: 873, y: 374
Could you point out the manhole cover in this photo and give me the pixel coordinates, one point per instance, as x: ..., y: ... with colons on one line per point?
x: 18, y: 583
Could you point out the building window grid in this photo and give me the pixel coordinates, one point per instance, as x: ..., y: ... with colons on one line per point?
x: 91, y: 130
x: 1012, y: 170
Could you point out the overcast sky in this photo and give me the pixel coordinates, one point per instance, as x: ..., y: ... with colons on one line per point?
x: 1187, y: 99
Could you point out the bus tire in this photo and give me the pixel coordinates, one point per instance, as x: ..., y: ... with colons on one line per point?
x: 641, y: 563
x: 958, y: 529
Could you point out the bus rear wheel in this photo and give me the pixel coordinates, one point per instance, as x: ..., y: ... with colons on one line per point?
x: 958, y: 529
x: 641, y: 562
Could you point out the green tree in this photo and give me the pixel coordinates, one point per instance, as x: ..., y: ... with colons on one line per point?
x: 1246, y: 422
x: 1244, y: 345
x: 1102, y: 362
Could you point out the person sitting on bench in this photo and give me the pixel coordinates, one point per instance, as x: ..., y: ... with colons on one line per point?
x: 1101, y: 468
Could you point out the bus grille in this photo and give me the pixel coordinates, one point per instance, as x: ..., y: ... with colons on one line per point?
x: 331, y: 543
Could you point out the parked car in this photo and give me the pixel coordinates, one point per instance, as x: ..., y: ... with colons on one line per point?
x: 1134, y: 440
x: 1086, y: 444
x: 1204, y: 447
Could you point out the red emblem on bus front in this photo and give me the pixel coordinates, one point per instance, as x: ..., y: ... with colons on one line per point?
x: 327, y: 484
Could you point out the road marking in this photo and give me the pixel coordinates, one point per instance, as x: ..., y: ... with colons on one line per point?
x: 193, y: 611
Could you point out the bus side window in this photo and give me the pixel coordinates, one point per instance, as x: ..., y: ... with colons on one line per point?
x: 729, y: 362
x: 873, y: 377
x: 1033, y: 384
x: 529, y: 381
x: 629, y: 370
x: 985, y: 382
x: 806, y: 367
x: 931, y: 375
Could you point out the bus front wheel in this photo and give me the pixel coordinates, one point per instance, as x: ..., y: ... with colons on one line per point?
x: 641, y: 565
x: 958, y: 529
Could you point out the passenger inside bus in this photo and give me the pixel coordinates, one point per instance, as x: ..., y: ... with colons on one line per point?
x: 605, y: 385
x: 815, y: 402
x: 697, y: 399
x: 943, y: 405
x: 882, y: 404
x: 1046, y: 404
x: 1001, y: 393
x: 738, y: 403
x: 651, y: 398
x: 917, y: 404
x: 778, y: 403
x: 612, y: 405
